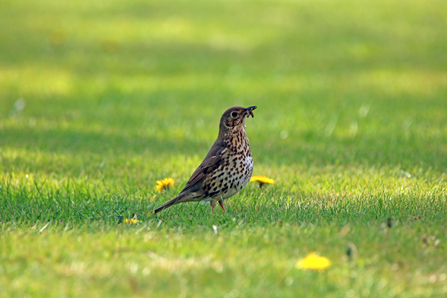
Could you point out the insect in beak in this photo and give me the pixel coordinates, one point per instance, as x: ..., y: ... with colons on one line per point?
x: 249, y: 111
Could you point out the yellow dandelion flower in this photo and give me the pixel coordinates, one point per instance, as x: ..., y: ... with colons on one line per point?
x: 131, y: 221
x: 313, y: 261
x: 262, y: 180
x: 162, y: 184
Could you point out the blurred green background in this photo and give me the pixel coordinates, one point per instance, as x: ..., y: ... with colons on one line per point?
x: 99, y: 99
x: 336, y: 82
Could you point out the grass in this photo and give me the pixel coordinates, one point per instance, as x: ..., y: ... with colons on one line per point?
x: 99, y: 100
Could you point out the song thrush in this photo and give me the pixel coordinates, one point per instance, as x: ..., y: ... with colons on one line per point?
x: 227, y: 167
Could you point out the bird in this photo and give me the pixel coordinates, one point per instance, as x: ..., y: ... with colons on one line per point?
x: 226, y: 169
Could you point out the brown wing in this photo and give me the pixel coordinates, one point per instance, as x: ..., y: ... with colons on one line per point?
x: 210, y: 163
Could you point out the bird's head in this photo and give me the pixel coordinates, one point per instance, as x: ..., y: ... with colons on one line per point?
x: 234, y: 118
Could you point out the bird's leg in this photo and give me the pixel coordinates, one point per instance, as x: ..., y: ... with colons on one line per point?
x: 221, y: 205
x: 213, y: 204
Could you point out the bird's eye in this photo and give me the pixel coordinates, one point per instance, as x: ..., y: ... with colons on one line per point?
x: 234, y: 114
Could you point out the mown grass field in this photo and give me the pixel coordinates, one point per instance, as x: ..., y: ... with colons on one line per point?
x: 99, y: 100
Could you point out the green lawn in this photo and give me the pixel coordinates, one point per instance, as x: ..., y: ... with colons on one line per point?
x: 100, y: 99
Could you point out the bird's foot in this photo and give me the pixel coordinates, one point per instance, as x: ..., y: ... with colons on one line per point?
x: 222, y: 205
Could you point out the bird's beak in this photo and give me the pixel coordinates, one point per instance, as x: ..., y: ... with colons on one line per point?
x: 249, y: 111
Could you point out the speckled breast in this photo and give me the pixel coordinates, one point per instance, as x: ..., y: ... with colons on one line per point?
x: 234, y: 172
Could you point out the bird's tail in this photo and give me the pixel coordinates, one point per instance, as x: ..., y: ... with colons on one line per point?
x: 168, y: 204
